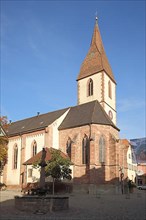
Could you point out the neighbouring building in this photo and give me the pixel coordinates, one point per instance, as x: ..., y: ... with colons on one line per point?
x: 132, y: 164
x: 86, y: 132
x: 139, y: 155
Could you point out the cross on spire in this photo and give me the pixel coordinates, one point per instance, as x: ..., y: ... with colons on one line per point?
x: 96, y: 17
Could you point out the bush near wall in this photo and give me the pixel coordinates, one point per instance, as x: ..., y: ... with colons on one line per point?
x: 60, y: 187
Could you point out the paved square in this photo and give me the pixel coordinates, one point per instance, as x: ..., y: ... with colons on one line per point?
x: 83, y: 207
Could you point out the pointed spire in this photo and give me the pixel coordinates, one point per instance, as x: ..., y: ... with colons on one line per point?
x: 96, y: 38
x: 96, y: 59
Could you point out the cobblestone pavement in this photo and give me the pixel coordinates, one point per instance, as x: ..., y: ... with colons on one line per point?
x: 83, y: 207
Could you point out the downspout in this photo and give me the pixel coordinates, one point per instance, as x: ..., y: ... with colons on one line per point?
x: 90, y: 132
x: 25, y: 175
x: 89, y: 150
x: 89, y: 141
x: 20, y: 179
x: 22, y: 171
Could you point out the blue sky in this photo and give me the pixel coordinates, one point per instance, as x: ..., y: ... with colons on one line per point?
x: 43, y: 44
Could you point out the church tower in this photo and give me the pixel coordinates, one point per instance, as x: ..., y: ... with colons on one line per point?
x: 96, y: 80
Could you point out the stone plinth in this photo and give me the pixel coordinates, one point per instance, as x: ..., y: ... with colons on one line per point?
x: 42, y: 204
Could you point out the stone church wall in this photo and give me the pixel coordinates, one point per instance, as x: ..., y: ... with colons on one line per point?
x: 94, y: 172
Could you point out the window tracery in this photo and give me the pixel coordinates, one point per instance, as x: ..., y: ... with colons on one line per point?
x: 85, y: 149
x: 102, y: 149
x: 15, y: 159
x: 34, y: 148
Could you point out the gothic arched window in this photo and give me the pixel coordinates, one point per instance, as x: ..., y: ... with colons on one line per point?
x: 90, y: 87
x: 34, y: 148
x: 102, y: 149
x: 68, y: 146
x: 15, y: 156
x: 85, y: 149
x: 109, y: 89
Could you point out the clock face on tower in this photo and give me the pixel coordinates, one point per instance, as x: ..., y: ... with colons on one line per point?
x: 110, y: 114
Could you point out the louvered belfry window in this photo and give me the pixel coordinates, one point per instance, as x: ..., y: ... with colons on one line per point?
x: 90, y: 87
x: 102, y: 149
x: 15, y: 156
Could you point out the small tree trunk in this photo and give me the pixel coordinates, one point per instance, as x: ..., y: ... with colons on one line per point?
x: 53, y: 186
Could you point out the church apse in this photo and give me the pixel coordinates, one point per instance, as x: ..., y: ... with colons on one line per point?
x: 92, y: 155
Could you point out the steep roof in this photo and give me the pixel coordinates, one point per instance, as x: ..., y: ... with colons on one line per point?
x: 96, y: 59
x: 87, y: 113
x: 34, y: 123
x: 38, y: 156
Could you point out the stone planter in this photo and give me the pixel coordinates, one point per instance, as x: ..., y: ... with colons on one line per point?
x: 41, y: 204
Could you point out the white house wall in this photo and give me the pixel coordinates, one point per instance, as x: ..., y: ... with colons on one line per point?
x: 55, y: 133
x: 132, y: 165
x: 35, y: 174
x: 13, y: 175
x: 39, y: 138
x: 42, y: 139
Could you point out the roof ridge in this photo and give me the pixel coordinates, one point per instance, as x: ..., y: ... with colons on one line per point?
x: 35, y: 123
x: 84, y: 114
x: 38, y: 115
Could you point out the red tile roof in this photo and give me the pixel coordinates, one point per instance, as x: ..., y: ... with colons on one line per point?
x: 35, y: 123
x: 125, y: 142
x: 85, y: 114
x: 38, y: 156
x: 96, y: 59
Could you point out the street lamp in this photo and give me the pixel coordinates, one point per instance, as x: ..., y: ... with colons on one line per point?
x: 121, y: 179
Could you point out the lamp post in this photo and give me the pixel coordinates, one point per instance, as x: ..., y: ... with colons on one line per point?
x: 121, y: 179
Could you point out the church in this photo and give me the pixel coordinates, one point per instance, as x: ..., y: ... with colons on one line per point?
x: 87, y: 132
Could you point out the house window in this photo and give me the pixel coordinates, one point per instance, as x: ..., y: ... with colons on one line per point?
x: 102, y: 149
x: 15, y: 159
x: 90, y: 87
x: 68, y: 147
x: 109, y: 89
x: 34, y: 148
x: 85, y: 149
x: 29, y: 172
